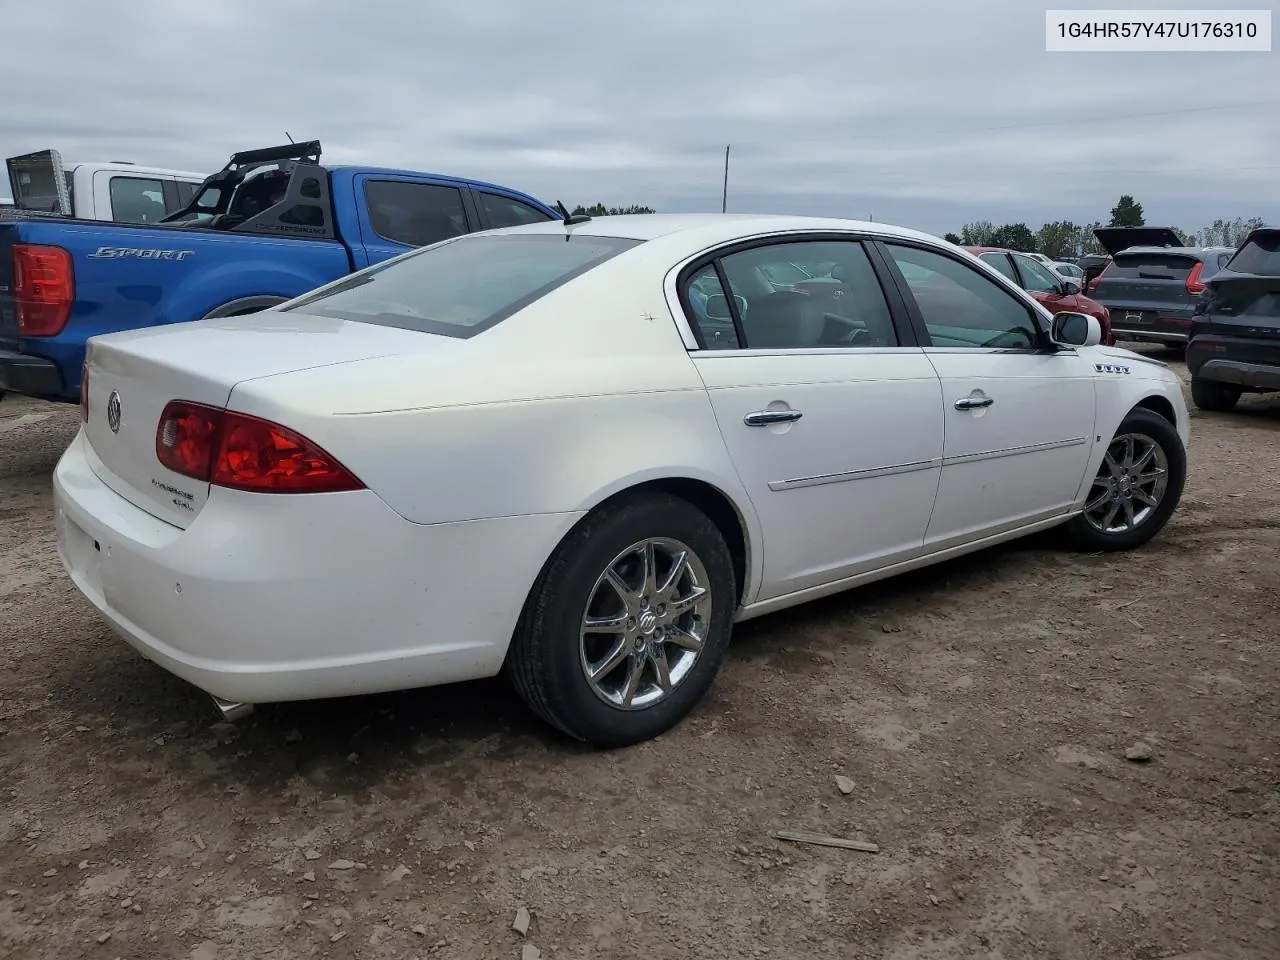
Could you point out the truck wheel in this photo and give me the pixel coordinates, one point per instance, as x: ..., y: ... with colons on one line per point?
x: 1137, y: 487
x: 1214, y: 396
x: 626, y: 627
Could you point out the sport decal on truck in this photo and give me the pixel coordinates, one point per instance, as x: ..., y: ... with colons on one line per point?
x: 139, y: 253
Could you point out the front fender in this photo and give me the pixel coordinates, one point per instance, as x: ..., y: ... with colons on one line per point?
x: 1128, y: 381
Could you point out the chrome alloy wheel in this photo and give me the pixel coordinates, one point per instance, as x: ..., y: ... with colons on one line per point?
x: 645, y: 623
x: 1129, y: 485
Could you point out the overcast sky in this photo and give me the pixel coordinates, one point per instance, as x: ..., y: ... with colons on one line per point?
x: 926, y: 113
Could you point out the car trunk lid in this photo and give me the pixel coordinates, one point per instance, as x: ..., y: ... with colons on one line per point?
x: 133, y: 376
x: 1147, y: 280
x: 1115, y: 239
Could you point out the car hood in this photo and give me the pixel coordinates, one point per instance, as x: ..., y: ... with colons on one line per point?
x: 1116, y: 239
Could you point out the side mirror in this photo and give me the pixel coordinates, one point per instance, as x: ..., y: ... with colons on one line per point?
x: 1075, y: 330
x: 1071, y: 287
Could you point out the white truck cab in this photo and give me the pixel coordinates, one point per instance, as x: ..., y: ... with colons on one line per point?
x: 118, y: 191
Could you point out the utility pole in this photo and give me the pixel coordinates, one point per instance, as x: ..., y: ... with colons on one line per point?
x: 724, y: 197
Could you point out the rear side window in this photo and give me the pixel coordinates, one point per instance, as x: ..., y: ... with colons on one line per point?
x: 1261, y: 256
x: 135, y: 200
x: 1150, y: 266
x: 508, y: 212
x: 460, y: 288
x: 415, y: 214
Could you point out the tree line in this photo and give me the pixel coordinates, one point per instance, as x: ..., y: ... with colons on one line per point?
x: 600, y: 210
x: 1063, y: 238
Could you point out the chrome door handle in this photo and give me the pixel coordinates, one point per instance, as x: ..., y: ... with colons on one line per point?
x: 973, y: 403
x: 762, y: 418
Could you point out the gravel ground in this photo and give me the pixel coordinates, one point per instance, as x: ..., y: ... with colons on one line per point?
x: 981, y: 710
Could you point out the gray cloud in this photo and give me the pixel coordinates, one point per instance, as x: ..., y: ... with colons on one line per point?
x: 922, y: 112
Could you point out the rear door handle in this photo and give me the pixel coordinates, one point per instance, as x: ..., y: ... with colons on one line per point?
x: 973, y: 403
x: 762, y: 418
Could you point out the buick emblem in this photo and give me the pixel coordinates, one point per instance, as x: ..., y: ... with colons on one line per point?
x: 113, y: 411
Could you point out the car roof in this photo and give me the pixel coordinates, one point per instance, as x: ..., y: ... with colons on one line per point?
x: 713, y: 227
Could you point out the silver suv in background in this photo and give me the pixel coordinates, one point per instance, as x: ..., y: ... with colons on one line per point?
x: 1153, y: 282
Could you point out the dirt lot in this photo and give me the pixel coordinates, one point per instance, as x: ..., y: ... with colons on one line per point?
x: 981, y: 709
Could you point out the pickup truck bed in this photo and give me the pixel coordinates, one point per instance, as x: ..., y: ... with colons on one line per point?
x: 63, y: 281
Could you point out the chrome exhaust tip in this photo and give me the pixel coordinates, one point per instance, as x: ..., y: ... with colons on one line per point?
x: 231, y: 712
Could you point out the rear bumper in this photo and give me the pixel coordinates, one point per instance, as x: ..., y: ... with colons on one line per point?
x: 269, y: 598
x: 1148, y: 334
x: 1262, y: 376
x: 1239, y: 361
x: 31, y: 376
x: 1148, y: 324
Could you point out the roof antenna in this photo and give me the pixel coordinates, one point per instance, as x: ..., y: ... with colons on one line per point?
x: 291, y: 140
x: 571, y: 218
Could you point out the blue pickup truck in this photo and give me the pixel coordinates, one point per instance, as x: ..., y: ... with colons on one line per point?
x: 272, y: 224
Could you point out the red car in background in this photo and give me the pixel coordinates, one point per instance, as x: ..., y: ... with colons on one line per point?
x: 1058, y: 294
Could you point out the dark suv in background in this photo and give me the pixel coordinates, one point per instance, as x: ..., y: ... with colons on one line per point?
x: 1153, y: 282
x: 1235, y: 335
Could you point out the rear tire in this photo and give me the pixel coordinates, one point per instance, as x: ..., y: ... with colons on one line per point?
x: 649, y: 623
x: 1213, y: 396
x: 1137, y: 487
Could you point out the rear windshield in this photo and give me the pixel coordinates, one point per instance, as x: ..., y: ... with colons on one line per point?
x: 462, y: 286
x: 1150, y: 266
x: 1260, y: 256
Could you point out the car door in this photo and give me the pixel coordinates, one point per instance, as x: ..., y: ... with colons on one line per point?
x: 397, y: 214
x: 829, y: 409
x: 1019, y: 415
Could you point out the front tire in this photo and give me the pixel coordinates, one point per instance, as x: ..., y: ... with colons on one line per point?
x: 1213, y: 396
x: 1137, y: 486
x: 627, y: 625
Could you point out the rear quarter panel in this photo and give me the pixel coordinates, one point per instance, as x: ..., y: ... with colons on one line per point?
x: 129, y: 277
x: 588, y: 392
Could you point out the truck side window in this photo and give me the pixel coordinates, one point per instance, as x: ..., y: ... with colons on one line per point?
x: 508, y: 212
x: 415, y: 214
x: 135, y: 200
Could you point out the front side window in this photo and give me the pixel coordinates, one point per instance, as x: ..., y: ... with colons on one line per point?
x: 463, y: 287
x: 415, y: 214
x: 1036, y: 276
x: 507, y: 212
x: 135, y: 200
x: 844, y: 308
x: 960, y: 306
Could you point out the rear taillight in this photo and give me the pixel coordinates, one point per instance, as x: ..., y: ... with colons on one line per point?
x: 235, y: 450
x: 84, y: 392
x: 1093, y: 284
x: 43, y: 289
x: 1194, y: 286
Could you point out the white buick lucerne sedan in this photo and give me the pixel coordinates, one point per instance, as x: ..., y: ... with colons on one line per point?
x: 579, y: 452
